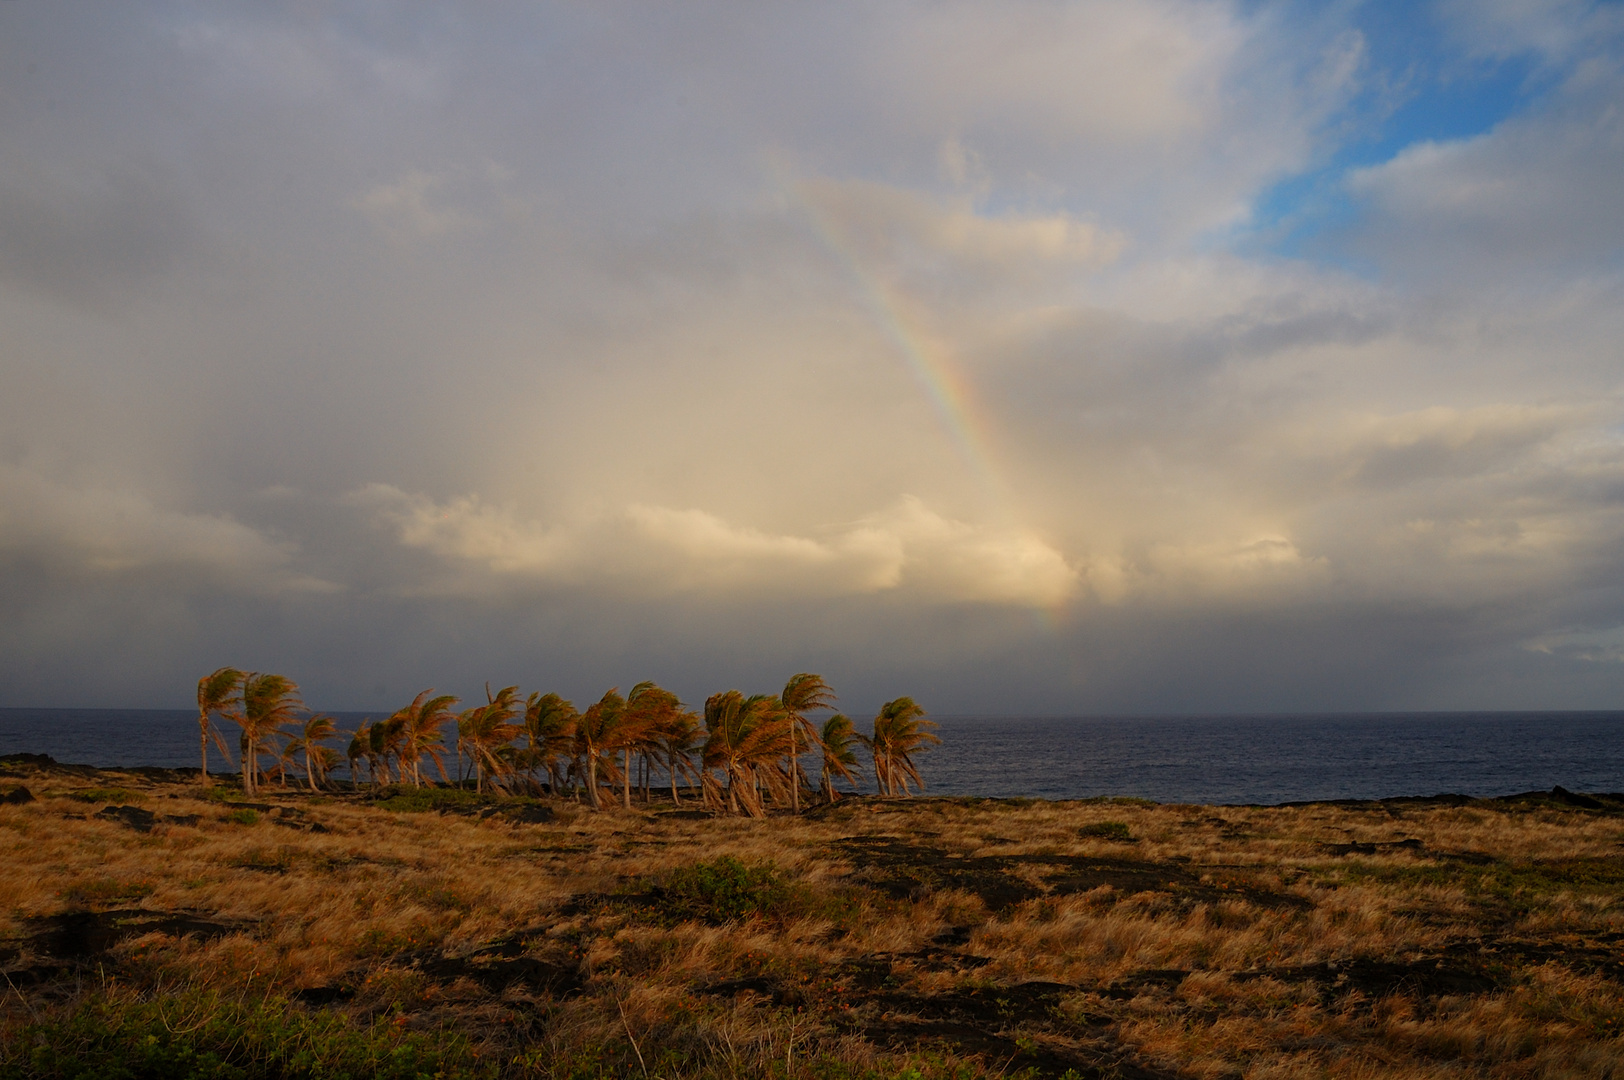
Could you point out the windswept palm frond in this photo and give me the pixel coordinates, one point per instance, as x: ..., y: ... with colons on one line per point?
x: 595, y: 731
x: 746, y: 739
x: 900, y: 731
x: 649, y: 708
x: 269, y: 702
x: 483, y: 731
x: 425, y: 733
x: 549, y: 724
x: 839, y: 741
x: 217, y: 694
x: 803, y: 693
x: 308, y: 742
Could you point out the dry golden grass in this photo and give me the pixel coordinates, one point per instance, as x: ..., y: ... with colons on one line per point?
x: 1473, y: 940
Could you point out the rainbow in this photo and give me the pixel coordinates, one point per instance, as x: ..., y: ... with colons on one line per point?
x: 931, y: 364
x: 927, y: 359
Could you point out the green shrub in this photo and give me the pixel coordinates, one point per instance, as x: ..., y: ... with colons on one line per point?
x: 202, y: 1035
x: 727, y: 890
x: 243, y: 817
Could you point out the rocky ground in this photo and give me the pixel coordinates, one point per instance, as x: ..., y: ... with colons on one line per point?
x: 151, y: 926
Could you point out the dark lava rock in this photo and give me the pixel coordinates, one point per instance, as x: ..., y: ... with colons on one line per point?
x: 17, y: 796
x: 1425, y: 977
x: 1563, y: 795
x: 75, y: 935
x: 136, y: 818
x: 910, y: 871
x: 496, y: 973
x: 1374, y: 848
x: 324, y: 995
x: 40, y: 760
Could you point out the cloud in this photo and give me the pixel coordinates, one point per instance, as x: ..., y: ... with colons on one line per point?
x: 82, y: 233
x: 1538, y: 192
x: 709, y: 339
x: 1588, y: 646
x: 403, y: 212
x: 907, y: 548
x: 105, y: 533
x: 904, y: 229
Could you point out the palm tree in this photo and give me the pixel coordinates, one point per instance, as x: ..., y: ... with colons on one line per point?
x: 423, y: 737
x: 485, y: 730
x: 308, y: 742
x: 268, y: 702
x: 899, y: 733
x: 549, y: 723
x: 839, y: 744
x: 596, y: 730
x: 386, y: 737
x: 676, y: 741
x: 360, y: 746
x: 803, y: 693
x: 648, y: 708
x: 745, y: 739
x: 216, y: 693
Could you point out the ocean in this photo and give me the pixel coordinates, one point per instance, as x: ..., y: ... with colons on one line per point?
x: 1185, y: 759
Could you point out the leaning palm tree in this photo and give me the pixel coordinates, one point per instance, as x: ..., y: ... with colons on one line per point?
x: 675, y: 741
x: 216, y: 693
x: 389, y: 744
x: 268, y: 702
x: 648, y: 708
x: 839, y: 741
x: 423, y: 736
x: 746, y: 738
x: 803, y: 693
x: 360, y: 746
x: 899, y: 733
x: 487, y: 730
x: 549, y: 725
x: 596, y: 733
x: 307, y: 741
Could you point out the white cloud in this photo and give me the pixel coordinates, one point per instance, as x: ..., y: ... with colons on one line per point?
x: 1538, y: 191
x: 907, y: 548
x: 900, y: 228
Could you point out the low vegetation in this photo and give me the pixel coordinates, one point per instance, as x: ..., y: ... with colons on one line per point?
x: 446, y: 932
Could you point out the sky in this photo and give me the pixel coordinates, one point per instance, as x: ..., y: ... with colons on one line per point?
x: 1028, y: 358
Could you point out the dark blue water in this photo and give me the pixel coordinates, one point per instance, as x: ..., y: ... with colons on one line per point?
x: 1234, y: 759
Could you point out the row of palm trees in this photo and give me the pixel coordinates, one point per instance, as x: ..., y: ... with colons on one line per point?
x: 745, y: 753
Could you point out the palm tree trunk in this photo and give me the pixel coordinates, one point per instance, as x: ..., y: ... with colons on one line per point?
x: 203, y: 740
x: 592, y: 777
x: 671, y: 763
x: 794, y: 767
x: 250, y: 765
x: 626, y: 780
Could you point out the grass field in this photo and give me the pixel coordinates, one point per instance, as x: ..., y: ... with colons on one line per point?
x: 149, y: 930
